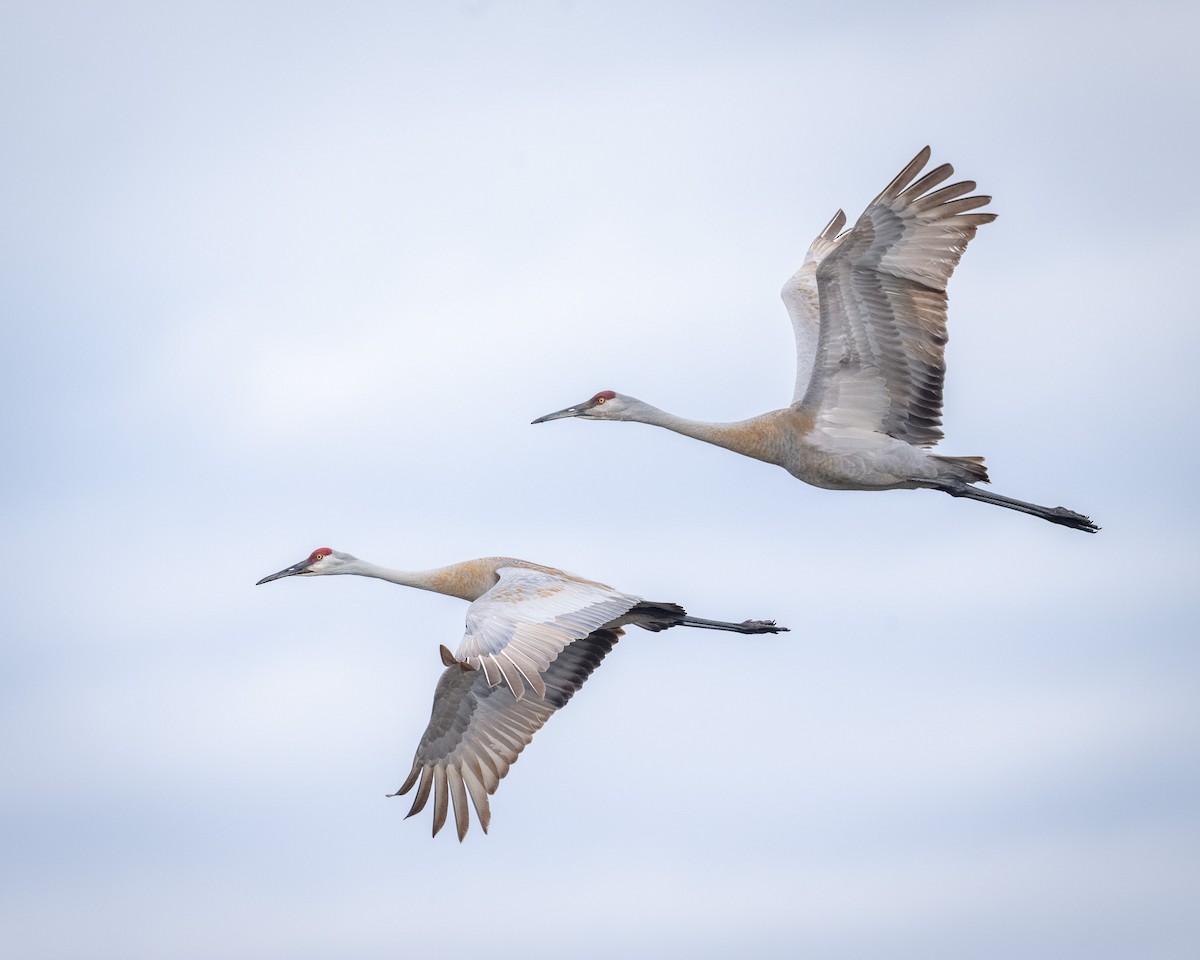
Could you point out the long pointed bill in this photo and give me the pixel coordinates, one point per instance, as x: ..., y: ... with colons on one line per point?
x: 559, y: 414
x: 295, y: 568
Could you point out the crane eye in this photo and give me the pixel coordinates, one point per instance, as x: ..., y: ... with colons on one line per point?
x: 600, y: 399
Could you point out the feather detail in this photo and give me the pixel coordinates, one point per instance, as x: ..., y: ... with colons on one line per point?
x: 477, y: 730
x: 879, y: 364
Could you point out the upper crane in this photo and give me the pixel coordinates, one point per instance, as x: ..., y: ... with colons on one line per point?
x: 868, y: 307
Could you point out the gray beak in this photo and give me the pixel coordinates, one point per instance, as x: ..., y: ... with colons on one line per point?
x: 295, y: 568
x: 559, y: 414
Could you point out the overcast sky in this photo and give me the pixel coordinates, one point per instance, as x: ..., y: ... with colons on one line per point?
x: 279, y: 276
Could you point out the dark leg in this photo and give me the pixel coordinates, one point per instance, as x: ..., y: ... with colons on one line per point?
x: 663, y: 616
x: 1060, y: 515
x: 746, y: 626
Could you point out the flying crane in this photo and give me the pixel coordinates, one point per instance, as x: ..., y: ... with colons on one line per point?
x: 533, y: 636
x: 868, y: 308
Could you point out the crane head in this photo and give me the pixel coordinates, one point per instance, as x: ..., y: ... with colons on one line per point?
x: 322, y: 560
x: 606, y: 405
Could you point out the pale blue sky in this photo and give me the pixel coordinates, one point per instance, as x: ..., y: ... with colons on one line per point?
x: 277, y: 276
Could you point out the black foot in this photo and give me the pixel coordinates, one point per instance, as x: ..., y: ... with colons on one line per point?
x: 761, y: 626
x: 1069, y: 518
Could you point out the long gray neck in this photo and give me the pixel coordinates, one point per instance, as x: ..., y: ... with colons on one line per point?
x: 642, y: 412
x: 421, y: 579
x: 751, y: 438
x: 468, y: 580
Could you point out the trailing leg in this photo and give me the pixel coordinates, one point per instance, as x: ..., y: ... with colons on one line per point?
x: 1059, y: 515
x: 663, y: 616
x: 746, y: 626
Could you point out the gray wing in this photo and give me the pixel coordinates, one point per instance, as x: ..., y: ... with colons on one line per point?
x: 882, y: 292
x: 516, y: 629
x: 477, y: 731
x: 803, y: 304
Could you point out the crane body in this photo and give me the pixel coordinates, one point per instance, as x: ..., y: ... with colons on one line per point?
x: 533, y: 636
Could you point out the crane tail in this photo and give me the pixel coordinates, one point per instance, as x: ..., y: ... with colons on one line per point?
x: 966, y: 469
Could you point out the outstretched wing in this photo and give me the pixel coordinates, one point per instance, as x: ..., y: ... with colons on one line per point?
x: 516, y: 629
x: 477, y: 731
x: 803, y: 306
x: 882, y: 292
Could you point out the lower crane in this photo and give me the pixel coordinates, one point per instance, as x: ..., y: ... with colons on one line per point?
x: 534, y: 634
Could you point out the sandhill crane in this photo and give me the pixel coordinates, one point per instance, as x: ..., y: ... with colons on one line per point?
x: 868, y: 307
x: 534, y: 635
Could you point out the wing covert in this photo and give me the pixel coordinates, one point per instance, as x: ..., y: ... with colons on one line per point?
x: 516, y: 629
